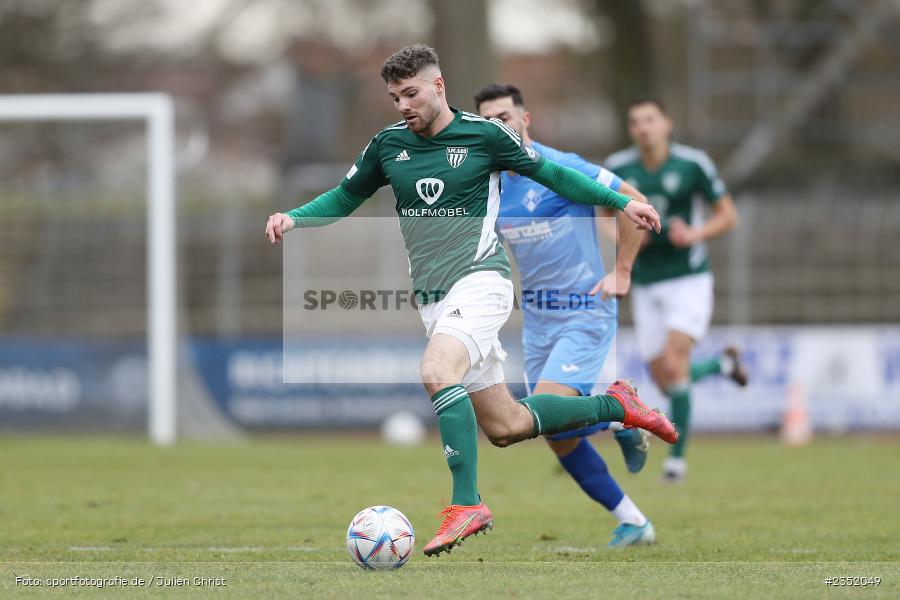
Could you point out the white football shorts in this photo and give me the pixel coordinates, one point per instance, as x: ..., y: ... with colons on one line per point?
x: 474, y: 311
x: 682, y: 304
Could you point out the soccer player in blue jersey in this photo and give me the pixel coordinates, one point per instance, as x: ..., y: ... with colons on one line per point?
x: 554, y: 242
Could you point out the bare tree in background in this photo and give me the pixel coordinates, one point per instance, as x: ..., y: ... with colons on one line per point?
x: 628, y: 68
x: 461, y: 38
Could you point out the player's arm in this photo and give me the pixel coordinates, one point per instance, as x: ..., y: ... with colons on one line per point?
x: 334, y: 204
x: 362, y: 180
x: 723, y: 217
x: 511, y: 154
x: 581, y: 189
x: 630, y: 239
x: 617, y: 283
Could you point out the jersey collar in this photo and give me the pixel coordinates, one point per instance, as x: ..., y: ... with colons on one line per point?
x: 660, y: 166
x: 457, y: 114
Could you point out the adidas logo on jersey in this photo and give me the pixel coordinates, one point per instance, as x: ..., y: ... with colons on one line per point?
x: 456, y: 314
x: 569, y: 368
x: 402, y: 156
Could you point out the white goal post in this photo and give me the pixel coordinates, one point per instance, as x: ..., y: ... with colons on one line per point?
x: 157, y: 112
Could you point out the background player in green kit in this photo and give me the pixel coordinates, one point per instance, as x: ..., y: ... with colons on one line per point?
x: 672, y: 295
x: 444, y: 168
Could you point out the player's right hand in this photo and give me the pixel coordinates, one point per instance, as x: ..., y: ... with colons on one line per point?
x: 277, y: 226
x: 614, y: 284
x: 644, y: 215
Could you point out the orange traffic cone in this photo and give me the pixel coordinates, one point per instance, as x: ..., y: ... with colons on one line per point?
x: 796, y: 428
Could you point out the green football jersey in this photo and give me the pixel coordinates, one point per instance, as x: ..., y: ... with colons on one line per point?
x: 678, y: 188
x: 447, y: 191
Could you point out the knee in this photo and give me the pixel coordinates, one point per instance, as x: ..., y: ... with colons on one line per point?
x: 500, y: 434
x: 506, y: 433
x: 434, y: 376
x: 504, y: 439
x: 671, y: 368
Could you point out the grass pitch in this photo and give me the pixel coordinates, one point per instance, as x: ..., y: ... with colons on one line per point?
x: 754, y: 520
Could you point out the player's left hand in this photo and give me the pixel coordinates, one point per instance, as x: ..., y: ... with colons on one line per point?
x: 681, y: 234
x: 644, y: 215
x: 277, y: 225
x: 614, y: 284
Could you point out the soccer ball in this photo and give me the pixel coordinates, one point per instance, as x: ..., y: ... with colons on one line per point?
x: 380, y: 537
x: 403, y: 429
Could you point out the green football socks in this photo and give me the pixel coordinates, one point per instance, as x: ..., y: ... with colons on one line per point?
x: 680, y: 397
x: 459, y: 436
x: 555, y: 414
x: 705, y: 368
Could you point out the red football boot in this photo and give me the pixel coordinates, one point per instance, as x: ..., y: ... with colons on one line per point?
x: 459, y: 523
x: 638, y: 415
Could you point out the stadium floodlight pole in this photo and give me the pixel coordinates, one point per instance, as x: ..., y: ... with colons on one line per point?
x: 156, y: 111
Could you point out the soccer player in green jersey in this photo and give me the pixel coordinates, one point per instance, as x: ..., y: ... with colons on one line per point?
x: 672, y: 296
x: 444, y: 166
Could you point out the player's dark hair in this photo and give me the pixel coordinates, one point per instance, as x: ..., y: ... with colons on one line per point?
x: 648, y: 100
x: 499, y: 90
x: 407, y: 62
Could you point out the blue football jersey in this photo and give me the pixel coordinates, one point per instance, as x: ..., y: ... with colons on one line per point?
x: 554, y: 243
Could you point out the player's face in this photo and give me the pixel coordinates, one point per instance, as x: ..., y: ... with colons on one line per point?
x: 648, y: 126
x: 504, y: 109
x: 418, y: 99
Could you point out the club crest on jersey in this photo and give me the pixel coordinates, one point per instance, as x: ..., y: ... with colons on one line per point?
x: 670, y: 182
x: 531, y: 200
x: 429, y: 189
x: 456, y: 155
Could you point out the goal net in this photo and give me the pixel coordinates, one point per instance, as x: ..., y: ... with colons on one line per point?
x: 88, y: 270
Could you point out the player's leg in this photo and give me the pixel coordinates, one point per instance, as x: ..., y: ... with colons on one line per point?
x: 505, y: 422
x: 446, y: 360
x: 579, y: 357
x: 648, y: 303
x: 563, y: 443
x: 633, y: 442
x: 444, y: 364
x: 463, y: 334
x: 687, y: 304
x: 571, y: 367
x: 671, y: 372
x: 473, y: 313
x: 589, y: 470
x: 494, y: 406
x: 539, y: 348
x: 729, y: 364
x: 586, y: 466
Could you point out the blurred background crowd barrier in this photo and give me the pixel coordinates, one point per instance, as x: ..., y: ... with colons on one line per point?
x: 798, y: 103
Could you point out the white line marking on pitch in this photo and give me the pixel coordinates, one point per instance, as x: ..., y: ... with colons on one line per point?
x: 569, y: 549
x: 235, y: 549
